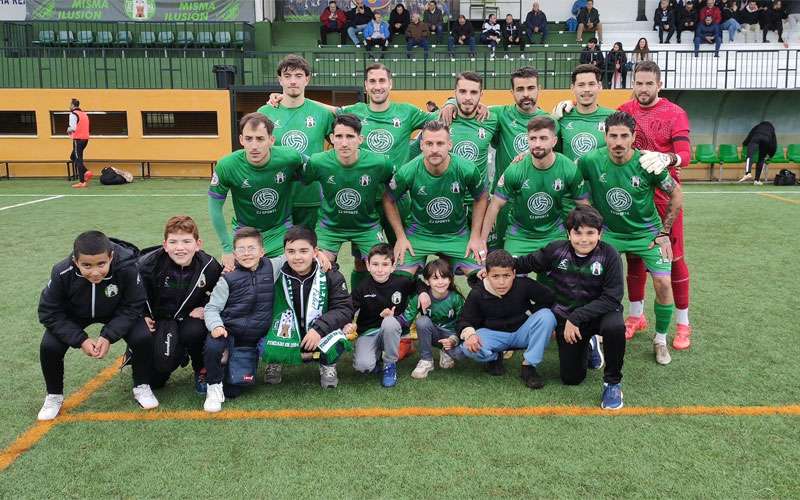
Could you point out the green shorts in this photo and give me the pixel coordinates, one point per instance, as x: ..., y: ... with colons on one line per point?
x: 452, y: 248
x: 305, y: 216
x: 518, y: 243
x: 331, y: 241
x: 494, y: 241
x: 655, y: 263
x: 272, y: 239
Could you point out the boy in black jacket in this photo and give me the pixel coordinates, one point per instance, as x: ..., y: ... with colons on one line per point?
x: 507, y: 312
x: 586, y: 275
x: 178, y: 278
x: 98, y: 283
x: 315, y: 318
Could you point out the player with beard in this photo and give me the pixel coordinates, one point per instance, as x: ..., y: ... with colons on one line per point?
x: 662, y: 134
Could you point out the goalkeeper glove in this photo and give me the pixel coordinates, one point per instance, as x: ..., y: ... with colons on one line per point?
x: 561, y: 109
x: 654, y: 162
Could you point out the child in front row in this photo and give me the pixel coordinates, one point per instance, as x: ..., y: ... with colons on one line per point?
x: 437, y: 324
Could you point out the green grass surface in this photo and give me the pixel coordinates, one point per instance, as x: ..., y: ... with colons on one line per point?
x: 741, y: 254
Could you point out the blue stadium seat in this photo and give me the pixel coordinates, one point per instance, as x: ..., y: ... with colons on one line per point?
x: 124, y: 38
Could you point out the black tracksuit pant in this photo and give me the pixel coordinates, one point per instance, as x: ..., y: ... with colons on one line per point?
x: 52, y: 351
x: 192, y: 336
x: 78, y: 145
x: 574, y: 357
x: 756, y: 147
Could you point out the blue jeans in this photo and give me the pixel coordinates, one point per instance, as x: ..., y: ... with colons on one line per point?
x: 451, y: 44
x: 352, y: 32
x: 732, y: 26
x: 698, y: 40
x: 532, y: 336
x: 417, y: 43
x: 438, y: 29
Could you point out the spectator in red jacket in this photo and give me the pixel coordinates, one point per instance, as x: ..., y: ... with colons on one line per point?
x: 333, y: 20
x: 711, y: 10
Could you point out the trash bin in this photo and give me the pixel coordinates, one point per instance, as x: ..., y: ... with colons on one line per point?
x: 226, y: 75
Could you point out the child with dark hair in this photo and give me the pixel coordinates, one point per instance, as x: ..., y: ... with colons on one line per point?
x: 98, y: 283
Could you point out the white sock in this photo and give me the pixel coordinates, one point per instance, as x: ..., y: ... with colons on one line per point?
x: 660, y: 338
x: 637, y: 308
x: 682, y: 316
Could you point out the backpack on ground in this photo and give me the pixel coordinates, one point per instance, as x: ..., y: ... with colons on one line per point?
x: 111, y: 176
x: 785, y: 178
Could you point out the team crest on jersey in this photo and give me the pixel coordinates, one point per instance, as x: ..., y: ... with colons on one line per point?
x: 396, y: 122
x: 636, y: 181
x: 482, y: 133
x: 597, y: 268
x: 558, y: 185
x: 331, y: 180
x: 601, y: 127
x: 111, y: 290
x: 280, y: 178
x: 246, y: 184
x: 563, y: 264
x: 455, y: 187
x: 310, y: 122
x: 397, y: 297
x: 201, y: 281
x: 215, y: 179
x: 364, y: 181
x: 521, y: 143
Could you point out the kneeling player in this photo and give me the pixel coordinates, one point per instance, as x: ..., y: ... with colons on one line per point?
x: 586, y: 276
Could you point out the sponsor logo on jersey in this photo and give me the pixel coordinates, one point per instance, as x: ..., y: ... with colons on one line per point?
x: 563, y: 264
x: 397, y: 297
x: 583, y: 144
x: 521, y: 142
x: 540, y: 203
x: 214, y: 179
x: 396, y: 122
x: 246, y: 184
x: 597, y: 268
x: 558, y: 184
x: 348, y: 199
x: 265, y: 199
x: 280, y: 178
x: 467, y: 150
x: 296, y: 140
x: 331, y: 180
x: 310, y: 122
x: 364, y: 181
x: 636, y: 181
x: 455, y: 187
x: 618, y: 199
x: 439, y: 208
x: 111, y: 290
x: 380, y: 140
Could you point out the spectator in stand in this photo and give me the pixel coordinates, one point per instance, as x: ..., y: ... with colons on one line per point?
x: 377, y: 34
x: 760, y: 143
x: 712, y: 10
x: 687, y: 20
x: 462, y: 34
x: 708, y: 32
x: 749, y: 18
x: 772, y: 20
x: 434, y: 18
x: 616, y: 67
x: 589, y: 20
x: 357, y: 19
x: 512, y: 34
x: 729, y: 22
x: 417, y: 35
x: 592, y: 54
x: 641, y: 52
x: 333, y: 20
x: 664, y: 21
x: 491, y: 34
x: 536, y: 22
x: 399, y: 20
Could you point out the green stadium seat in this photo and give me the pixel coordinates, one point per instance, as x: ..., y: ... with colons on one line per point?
x: 147, y: 38
x: 729, y: 153
x: 85, y: 38
x: 45, y: 38
x: 104, y: 38
x: 780, y: 155
x: 793, y: 153
x: 204, y: 39
x: 124, y: 38
x: 239, y: 38
x: 704, y: 153
x: 65, y: 38
x: 222, y: 39
x: 166, y: 38
x: 184, y: 39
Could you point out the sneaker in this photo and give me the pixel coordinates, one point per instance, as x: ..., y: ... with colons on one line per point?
x: 612, y: 397
x: 145, y: 397
x: 273, y: 374
x: 424, y: 367
x: 79, y: 185
x: 51, y: 407
x: 445, y: 361
x: 200, y: 386
x: 634, y: 324
x: 758, y: 183
x: 508, y: 354
x: 378, y: 368
x: 87, y: 176
x: 531, y: 377
x: 495, y: 368
x: 683, y: 337
x: 745, y: 177
x: 596, y: 358
x: 662, y: 354
x: 389, y: 375
x: 328, y: 377
x: 214, y: 398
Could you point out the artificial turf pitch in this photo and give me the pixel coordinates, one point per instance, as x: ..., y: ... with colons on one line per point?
x: 741, y: 250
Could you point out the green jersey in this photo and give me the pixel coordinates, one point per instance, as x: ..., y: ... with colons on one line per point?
x: 513, y: 137
x: 388, y: 132
x: 538, y: 197
x: 349, y: 192
x: 580, y: 134
x: 304, y: 129
x: 444, y: 313
x: 261, y: 195
x: 437, y: 202
x: 624, y: 194
x: 471, y: 139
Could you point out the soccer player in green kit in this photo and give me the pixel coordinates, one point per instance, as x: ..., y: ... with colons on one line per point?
x: 438, y: 183
x: 301, y: 124
x: 260, y: 178
x: 352, y: 181
x: 537, y: 187
x: 622, y: 191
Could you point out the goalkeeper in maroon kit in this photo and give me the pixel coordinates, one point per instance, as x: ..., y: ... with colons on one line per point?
x: 662, y: 135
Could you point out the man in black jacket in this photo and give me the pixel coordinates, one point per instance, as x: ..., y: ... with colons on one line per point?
x: 98, y: 283
x: 761, y: 144
x: 686, y: 19
x: 461, y: 34
x: 299, y: 271
x: 357, y: 19
x: 772, y: 20
x: 507, y: 312
x: 591, y: 54
x: 589, y: 20
x: 664, y: 21
x: 512, y: 34
x: 178, y: 278
x: 536, y: 22
x: 586, y: 276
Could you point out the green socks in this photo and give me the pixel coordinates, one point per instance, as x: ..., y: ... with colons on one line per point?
x: 663, y: 317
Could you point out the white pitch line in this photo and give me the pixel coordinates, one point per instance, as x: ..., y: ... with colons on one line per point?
x: 32, y: 202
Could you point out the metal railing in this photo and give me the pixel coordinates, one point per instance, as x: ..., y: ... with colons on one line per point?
x: 192, y: 68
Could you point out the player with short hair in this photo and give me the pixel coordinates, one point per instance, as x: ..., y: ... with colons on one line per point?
x: 301, y: 124
x: 623, y: 193
x: 260, y: 178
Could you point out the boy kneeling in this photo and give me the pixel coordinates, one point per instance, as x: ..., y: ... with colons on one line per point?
x: 586, y: 275
x: 507, y: 312
x: 98, y: 283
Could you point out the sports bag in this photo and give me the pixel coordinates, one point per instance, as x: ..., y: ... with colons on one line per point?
x: 242, y: 364
x: 785, y: 178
